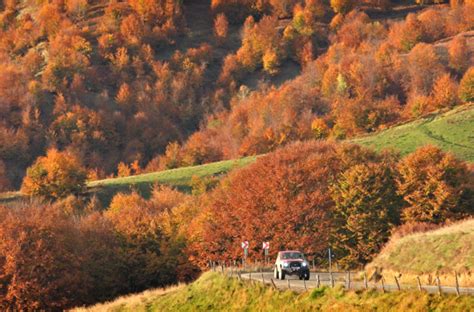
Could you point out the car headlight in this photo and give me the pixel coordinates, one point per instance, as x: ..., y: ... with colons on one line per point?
x: 304, y: 264
x: 286, y: 264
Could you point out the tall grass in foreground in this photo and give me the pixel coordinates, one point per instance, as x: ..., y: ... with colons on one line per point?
x: 214, y: 292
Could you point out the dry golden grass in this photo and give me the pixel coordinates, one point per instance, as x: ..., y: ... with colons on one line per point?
x: 440, y: 252
x: 133, y: 302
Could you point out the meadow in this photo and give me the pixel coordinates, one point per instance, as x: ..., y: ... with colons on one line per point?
x: 452, y: 131
x: 180, y: 178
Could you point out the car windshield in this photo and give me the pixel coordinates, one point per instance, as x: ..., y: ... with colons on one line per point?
x: 292, y: 255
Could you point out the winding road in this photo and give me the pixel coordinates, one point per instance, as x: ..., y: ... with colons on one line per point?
x: 341, y: 278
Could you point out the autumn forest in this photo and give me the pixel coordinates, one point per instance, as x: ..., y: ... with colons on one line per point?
x: 95, y: 89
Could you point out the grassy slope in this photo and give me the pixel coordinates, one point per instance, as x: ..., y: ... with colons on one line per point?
x: 213, y: 292
x: 452, y: 131
x: 180, y: 178
x: 445, y: 250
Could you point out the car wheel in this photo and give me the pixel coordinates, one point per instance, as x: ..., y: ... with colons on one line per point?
x: 275, y: 273
x: 282, y: 275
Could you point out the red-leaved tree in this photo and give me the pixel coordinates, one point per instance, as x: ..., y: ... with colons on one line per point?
x: 283, y: 198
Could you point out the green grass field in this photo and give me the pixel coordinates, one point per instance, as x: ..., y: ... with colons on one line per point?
x: 439, y: 252
x: 452, y: 131
x: 180, y: 178
x: 214, y: 292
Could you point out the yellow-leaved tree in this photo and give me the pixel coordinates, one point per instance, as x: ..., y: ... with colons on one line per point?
x: 56, y: 175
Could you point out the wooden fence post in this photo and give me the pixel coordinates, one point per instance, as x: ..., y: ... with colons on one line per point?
x: 419, y: 283
x: 348, y: 279
x: 332, y: 279
x: 366, y: 284
x: 318, y: 282
x: 273, y: 283
x: 383, y: 284
x: 289, y: 287
x: 263, y: 279
x: 438, y: 282
x: 396, y: 281
x: 250, y: 275
x: 457, y: 283
x: 304, y: 282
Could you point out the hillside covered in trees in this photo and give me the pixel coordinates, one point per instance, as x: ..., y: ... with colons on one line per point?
x: 137, y: 86
x: 92, y: 90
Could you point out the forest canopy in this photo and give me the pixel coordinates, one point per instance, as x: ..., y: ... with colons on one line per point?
x: 132, y: 84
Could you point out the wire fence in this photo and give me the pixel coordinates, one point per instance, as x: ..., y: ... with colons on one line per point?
x: 348, y: 280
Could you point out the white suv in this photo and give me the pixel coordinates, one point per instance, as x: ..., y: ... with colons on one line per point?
x: 291, y: 262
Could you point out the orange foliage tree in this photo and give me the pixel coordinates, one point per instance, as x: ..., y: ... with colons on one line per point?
x: 459, y: 54
x: 445, y: 92
x: 342, y: 6
x: 56, y: 175
x: 51, y: 261
x: 424, y: 68
x: 221, y: 27
x: 151, y: 258
x: 435, y: 186
x: 283, y: 198
x: 405, y: 35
